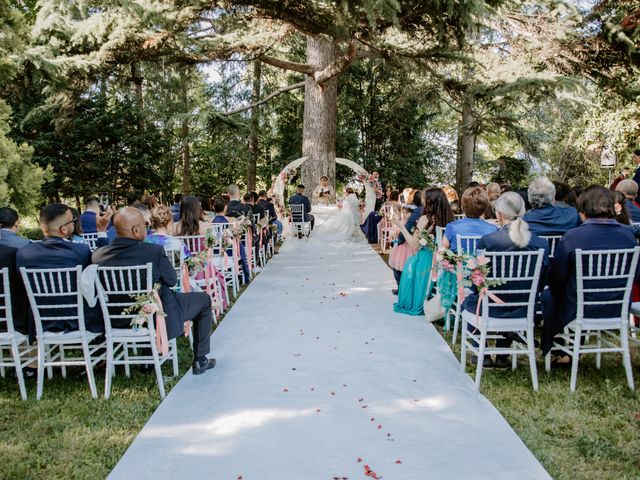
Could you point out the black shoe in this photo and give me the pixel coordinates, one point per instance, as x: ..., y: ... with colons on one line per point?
x: 299, y: 234
x: 486, y: 363
x: 394, y: 291
x: 201, y: 366
x: 502, y: 361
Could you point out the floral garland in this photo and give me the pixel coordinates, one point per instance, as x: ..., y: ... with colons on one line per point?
x: 144, y: 306
x: 426, y: 239
x: 475, y: 268
x: 373, y: 179
x: 287, y: 175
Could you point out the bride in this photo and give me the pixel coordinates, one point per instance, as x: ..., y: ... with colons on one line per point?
x: 345, y: 224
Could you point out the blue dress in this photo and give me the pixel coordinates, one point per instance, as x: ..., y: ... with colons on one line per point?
x: 415, y: 283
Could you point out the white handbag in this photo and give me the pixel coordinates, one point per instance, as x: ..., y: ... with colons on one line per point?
x: 433, y: 310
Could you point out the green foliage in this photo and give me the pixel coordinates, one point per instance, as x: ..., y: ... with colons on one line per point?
x: 31, y: 233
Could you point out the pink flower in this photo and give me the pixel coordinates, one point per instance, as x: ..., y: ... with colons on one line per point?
x: 447, y: 265
x: 149, y: 308
x: 482, y: 260
x: 477, y: 278
x: 472, y: 264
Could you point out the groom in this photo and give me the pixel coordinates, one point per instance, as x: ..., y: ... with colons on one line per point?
x: 300, y: 199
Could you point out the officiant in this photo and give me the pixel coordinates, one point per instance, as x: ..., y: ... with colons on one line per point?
x: 324, y: 193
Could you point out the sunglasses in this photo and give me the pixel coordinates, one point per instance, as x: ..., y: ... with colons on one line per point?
x: 73, y: 220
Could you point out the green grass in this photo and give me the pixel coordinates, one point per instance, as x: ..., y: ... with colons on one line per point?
x: 593, y: 433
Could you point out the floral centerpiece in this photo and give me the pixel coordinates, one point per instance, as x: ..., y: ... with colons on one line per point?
x: 145, y: 305
x: 287, y: 175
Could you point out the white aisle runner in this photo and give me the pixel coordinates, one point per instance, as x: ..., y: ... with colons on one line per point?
x: 318, y: 378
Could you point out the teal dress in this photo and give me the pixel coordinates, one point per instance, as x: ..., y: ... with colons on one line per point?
x: 415, y: 283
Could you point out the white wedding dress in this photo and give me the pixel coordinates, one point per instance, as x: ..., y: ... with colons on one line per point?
x: 343, y: 223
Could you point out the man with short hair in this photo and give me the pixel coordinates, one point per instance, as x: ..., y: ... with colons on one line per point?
x: 88, y: 217
x: 629, y: 189
x: 19, y: 302
x: 544, y: 218
x: 57, y: 251
x: 9, y: 224
x: 129, y: 249
x: 626, y: 171
x: 270, y: 210
x: 300, y: 199
x: 235, y: 208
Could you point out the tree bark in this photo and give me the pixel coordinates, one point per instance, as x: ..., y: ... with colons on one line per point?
x: 466, y: 147
x: 320, y: 107
x: 137, y: 82
x: 184, y: 134
x: 254, y: 147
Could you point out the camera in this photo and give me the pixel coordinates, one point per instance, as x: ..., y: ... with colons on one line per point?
x: 104, y: 202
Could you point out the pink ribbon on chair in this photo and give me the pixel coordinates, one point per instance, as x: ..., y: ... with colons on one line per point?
x: 186, y: 286
x: 250, y: 249
x: 481, y: 295
x: 459, y: 281
x: 162, y: 340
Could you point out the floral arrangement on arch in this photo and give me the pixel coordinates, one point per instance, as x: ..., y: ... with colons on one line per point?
x: 373, y: 179
x: 286, y: 175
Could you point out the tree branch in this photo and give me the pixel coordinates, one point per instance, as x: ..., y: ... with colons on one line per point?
x: 277, y: 62
x: 267, y: 98
x: 338, y: 66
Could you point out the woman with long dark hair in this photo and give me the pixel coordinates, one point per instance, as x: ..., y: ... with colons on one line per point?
x: 415, y: 281
x: 191, y: 218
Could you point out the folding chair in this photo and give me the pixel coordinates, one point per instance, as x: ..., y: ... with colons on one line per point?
x: 553, y: 243
x: 603, y: 277
x: 519, y: 272
x: 299, y: 226
x: 54, y: 295
x: 91, y: 239
x: 464, y: 244
x: 194, y: 243
x: 15, y: 343
x: 116, y: 286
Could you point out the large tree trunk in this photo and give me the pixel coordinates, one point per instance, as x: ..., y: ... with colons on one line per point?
x: 184, y: 134
x: 319, y: 129
x: 466, y: 148
x: 137, y: 82
x: 254, y: 147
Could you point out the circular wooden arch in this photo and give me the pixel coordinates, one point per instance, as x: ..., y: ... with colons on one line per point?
x: 370, y: 194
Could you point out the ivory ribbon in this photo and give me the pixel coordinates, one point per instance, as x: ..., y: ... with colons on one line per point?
x: 162, y: 341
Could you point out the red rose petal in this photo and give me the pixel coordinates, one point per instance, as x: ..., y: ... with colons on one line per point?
x: 379, y: 427
x: 285, y: 390
x: 398, y: 461
x: 359, y: 460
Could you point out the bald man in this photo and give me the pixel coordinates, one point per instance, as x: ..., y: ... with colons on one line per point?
x: 129, y: 249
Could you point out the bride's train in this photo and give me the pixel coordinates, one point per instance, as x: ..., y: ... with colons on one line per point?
x: 335, y: 224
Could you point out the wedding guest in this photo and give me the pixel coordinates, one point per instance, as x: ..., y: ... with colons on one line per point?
x: 129, y: 249
x: 143, y: 209
x: 544, y: 218
x: 192, y: 220
x: 636, y: 161
x: 300, y: 199
x: 9, y: 225
x: 622, y: 216
x: 416, y: 275
x: 162, y: 228
x: 149, y: 201
x: 220, y: 208
x: 629, y: 189
x: 207, y: 209
x: 19, y: 302
x: 563, y: 193
x: 175, y: 207
x: 57, y: 251
x: 88, y: 217
x: 401, y: 251
x: 599, y: 231
x: 493, y: 191
x: 626, y: 171
x: 513, y: 236
x: 475, y: 202
x: 235, y: 208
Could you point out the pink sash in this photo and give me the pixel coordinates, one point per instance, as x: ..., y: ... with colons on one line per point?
x: 162, y: 341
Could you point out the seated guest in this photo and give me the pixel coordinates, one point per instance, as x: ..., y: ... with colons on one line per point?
x: 270, y: 210
x: 192, y: 220
x: 88, y: 217
x: 9, y: 224
x: 162, y: 227
x: 599, y: 231
x: 629, y: 189
x: 149, y: 201
x: 258, y: 209
x: 19, y: 302
x: 235, y: 208
x: 513, y: 236
x: 402, y: 250
x: 129, y: 249
x: 300, y: 199
x: 493, y: 191
x: 207, y: 210
x: 545, y: 218
x: 175, y: 208
x: 475, y: 202
x: 563, y: 194
x: 57, y: 251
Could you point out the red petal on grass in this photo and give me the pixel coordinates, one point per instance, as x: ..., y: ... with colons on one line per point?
x: 398, y: 461
x: 285, y: 390
x: 379, y: 427
x: 359, y: 460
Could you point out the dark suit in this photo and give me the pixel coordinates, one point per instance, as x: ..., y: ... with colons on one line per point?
x: 299, y: 199
x: 19, y: 302
x: 636, y: 178
x: 54, y: 252
x: 269, y: 208
x: 559, y: 301
x: 552, y: 220
x: 178, y: 307
x: 236, y: 209
x: 501, y: 242
x: 633, y: 210
x: 258, y: 209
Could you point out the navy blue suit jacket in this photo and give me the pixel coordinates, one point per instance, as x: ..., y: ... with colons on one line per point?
x: 54, y: 252
x: 593, y: 234
x: 19, y: 302
x: 636, y: 178
x: 633, y: 210
x: 552, y: 220
x: 298, y: 199
x: 500, y: 242
x: 270, y: 209
x: 236, y: 209
x: 126, y: 252
x: 412, y: 221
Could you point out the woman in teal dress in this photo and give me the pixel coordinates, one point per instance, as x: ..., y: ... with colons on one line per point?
x: 415, y: 282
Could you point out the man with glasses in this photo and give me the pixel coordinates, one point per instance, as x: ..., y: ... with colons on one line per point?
x: 57, y: 251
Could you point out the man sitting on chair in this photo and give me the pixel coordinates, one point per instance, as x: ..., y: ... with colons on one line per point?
x: 300, y: 199
x: 129, y: 249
